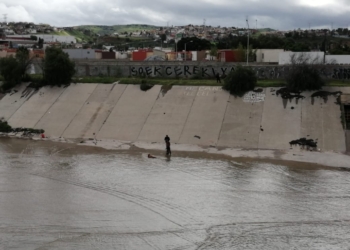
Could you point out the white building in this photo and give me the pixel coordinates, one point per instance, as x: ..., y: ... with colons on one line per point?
x: 338, y: 59
x: 285, y: 57
x: 50, y: 38
x: 268, y: 55
x: 80, y: 53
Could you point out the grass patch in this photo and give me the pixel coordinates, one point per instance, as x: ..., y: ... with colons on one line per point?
x: 95, y: 79
x: 176, y: 81
x: 338, y: 83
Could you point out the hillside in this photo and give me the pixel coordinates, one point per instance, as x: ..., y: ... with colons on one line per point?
x: 86, y: 33
x: 108, y: 30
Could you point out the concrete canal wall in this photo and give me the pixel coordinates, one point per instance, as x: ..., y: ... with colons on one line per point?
x: 206, y: 116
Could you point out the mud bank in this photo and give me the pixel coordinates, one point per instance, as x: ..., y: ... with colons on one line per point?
x: 294, y: 154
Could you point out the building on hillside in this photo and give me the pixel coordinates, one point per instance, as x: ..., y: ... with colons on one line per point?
x: 49, y: 38
x: 229, y: 55
x: 108, y: 55
x: 80, y: 53
x: 270, y: 56
x: 285, y: 57
x: 162, y: 52
x: 3, y: 53
x: 98, y: 54
x: 209, y: 57
x: 121, y: 55
x: 198, y: 55
x: 37, y: 53
x: 11, y: 52
x: 141, y: 55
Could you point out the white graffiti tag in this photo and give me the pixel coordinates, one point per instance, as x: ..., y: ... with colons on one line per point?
x: 253, y: 97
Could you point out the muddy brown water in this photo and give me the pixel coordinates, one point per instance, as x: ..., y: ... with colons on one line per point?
x: 63, y: 196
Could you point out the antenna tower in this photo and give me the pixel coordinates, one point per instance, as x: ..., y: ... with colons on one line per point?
x: 5, y: 19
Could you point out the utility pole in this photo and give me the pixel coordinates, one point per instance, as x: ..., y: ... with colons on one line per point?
x: 5, y: 19
x: 247, y: 43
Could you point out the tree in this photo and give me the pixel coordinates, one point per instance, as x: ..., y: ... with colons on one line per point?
x: 22, y: 57
x: 13, y: 69
x: 163, y: 37
x: 241, y: 80
x: 9, y: 69
x: 303, y: 73
x: 213, y: 52
x: 193, y: 43
x: 58, y: 69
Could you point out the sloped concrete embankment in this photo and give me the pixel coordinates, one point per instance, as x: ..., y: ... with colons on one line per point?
x: 205, y: 116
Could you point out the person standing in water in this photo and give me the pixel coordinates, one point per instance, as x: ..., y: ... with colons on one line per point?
x: 168, y: 150
x: 167, y: 138
x: 167, y: 144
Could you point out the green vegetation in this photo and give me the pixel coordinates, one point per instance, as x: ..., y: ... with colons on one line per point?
x: 185, y: 81
x: 302, y: 40
x: 58, y: 68
x: 6, y: 128
x: 303, y: 75
x: 193, y: 43
x: 13, y: 70
x: 241, y: 80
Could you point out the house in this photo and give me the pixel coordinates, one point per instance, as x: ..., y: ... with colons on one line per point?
x: 11, y: 52
x: 3, y: 53
x: 80, y: 53
x: 37, y: 53
x: 108, y: 55
x: 270, y: 56
x: 141, y: 55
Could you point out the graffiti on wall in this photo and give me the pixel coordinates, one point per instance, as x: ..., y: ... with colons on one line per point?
x: 177, y: 71
x: 340, y: 72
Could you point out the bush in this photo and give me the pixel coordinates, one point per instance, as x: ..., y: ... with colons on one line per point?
x: 241, y: 80
x: 303, y: 74
x: 13, y: 69
x: 10, y: 71
x: 4, y: 127
x: 58, y: 68
x: 144, y: 86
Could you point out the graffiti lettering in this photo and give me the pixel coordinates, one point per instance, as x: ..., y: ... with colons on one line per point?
x: 204, y: 72
x: 157, y: 71
x: 187, y: 70
x: 148, y: 71
x: 167, y: 69
x: 133, y: 71
x: 178, y: 71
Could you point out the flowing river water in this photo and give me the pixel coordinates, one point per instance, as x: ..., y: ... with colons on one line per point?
x: 63, y: 196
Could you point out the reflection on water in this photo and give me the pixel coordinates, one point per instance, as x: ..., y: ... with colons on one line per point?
x: 61, y: 196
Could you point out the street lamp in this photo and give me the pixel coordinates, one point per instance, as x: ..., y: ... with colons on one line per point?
x: 247, y: 42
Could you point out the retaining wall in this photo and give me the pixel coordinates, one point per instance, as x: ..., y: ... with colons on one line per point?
x: 206, y: 116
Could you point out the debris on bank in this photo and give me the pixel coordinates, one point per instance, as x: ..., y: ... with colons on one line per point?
x: 5, y: 128
x: 310, y: 144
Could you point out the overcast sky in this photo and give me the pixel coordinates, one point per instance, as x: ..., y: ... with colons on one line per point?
x: 276, y: 14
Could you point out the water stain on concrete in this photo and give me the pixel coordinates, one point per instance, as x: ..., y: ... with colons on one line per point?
x: 165, y: 89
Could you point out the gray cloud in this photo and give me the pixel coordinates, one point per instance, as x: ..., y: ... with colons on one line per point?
x: 283, y: 15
